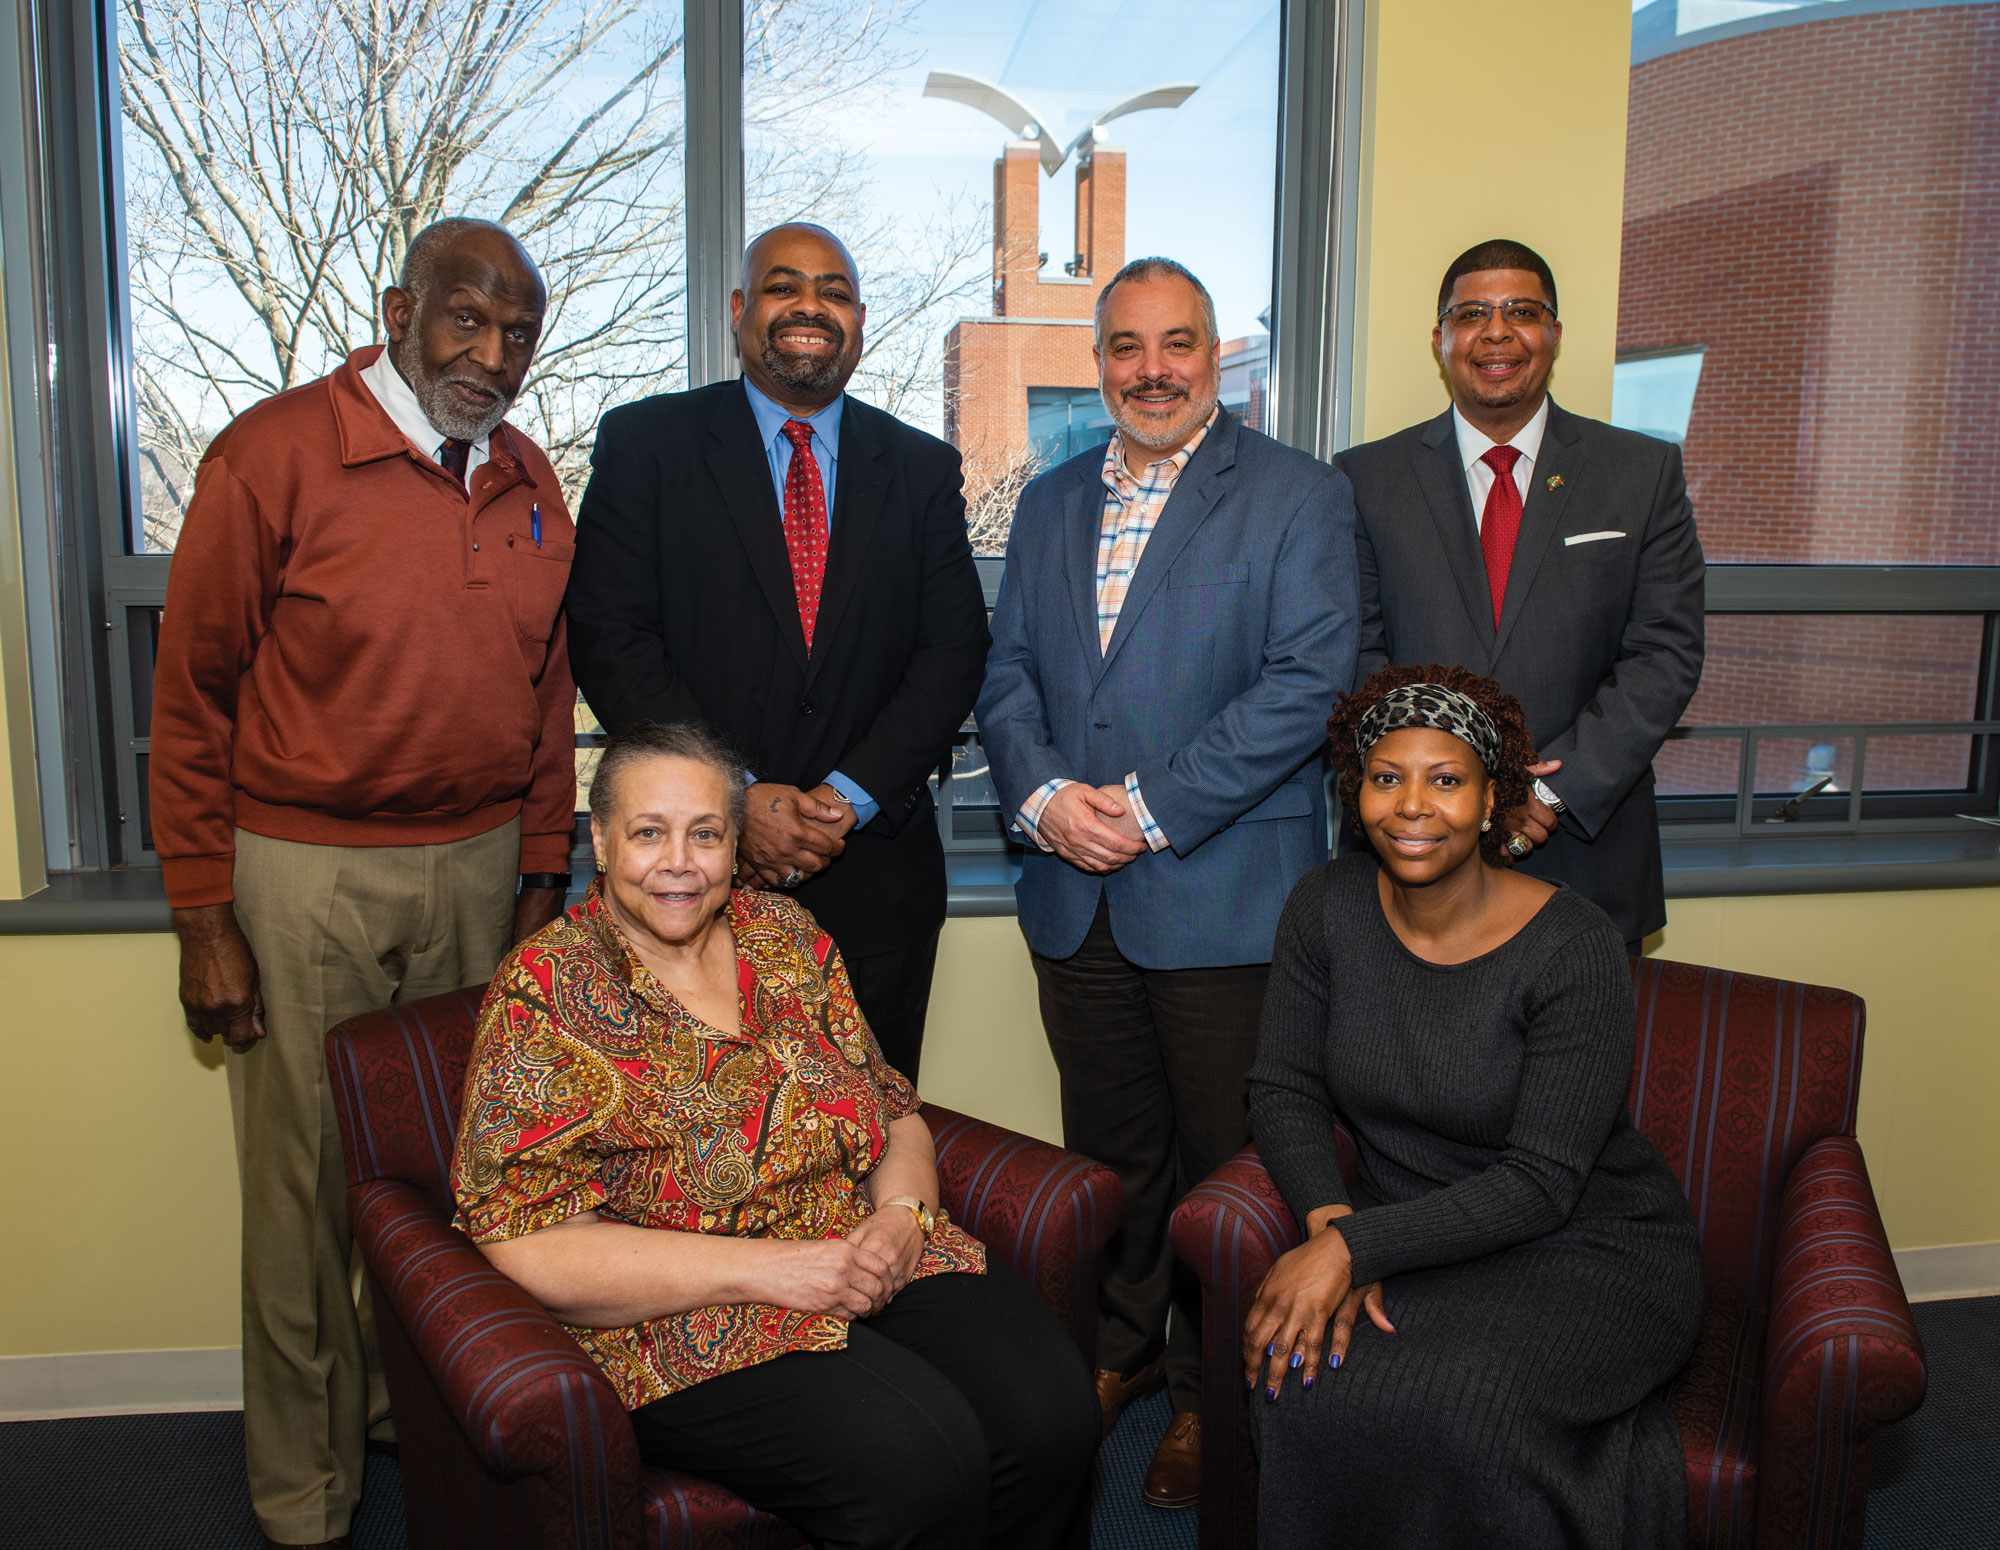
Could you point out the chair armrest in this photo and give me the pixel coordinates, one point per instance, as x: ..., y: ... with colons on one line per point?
x: 1232, y: 1227
x: 1044, y: 1212
x: 1842, y: 1356
x: 521, y: 1389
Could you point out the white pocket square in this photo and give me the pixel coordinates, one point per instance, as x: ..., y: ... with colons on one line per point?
x: 1590, y: 538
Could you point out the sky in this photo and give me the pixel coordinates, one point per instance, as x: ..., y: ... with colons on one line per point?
x: 1200, y: 178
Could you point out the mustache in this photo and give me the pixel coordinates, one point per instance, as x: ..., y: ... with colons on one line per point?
x: 817, y: 320
x: 1162, y: 385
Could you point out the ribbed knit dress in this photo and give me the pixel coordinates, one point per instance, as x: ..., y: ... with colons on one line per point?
x: 1536, y: 1253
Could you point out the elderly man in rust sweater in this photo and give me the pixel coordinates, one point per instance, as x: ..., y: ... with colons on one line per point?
x: 361, y: 740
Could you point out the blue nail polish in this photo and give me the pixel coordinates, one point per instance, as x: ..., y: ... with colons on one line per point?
x: 1309, y: 1380
x: 1269, y: 1395
x: 1333, y: 1361
x: 1271, y: 1349
x: 1297, y: 1357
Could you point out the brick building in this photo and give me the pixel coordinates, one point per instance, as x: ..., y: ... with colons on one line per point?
x: 1814, y: 204
x: 1020, y: 386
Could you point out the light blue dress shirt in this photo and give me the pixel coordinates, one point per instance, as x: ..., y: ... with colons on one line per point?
x: 771, y: 417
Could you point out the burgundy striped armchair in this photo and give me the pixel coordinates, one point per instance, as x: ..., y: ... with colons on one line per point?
x: 1748, y: 1087
x: 508, y: 1435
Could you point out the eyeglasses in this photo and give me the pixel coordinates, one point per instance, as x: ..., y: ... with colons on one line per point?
x: 1521, y: 311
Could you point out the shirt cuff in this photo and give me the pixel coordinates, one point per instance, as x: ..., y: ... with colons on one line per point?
x: 1155, y: 840
x: 863, y: 804
x: 1031, y: 811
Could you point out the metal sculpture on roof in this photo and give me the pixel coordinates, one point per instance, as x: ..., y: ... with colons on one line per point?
x: 1026, y: 124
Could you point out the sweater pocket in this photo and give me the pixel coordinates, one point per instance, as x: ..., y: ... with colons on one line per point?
x: 536, y: 577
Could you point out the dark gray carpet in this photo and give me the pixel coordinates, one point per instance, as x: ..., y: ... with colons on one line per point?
x: 175, y: 1482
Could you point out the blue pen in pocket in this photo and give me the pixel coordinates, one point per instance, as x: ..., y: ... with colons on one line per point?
x: 535, y: 523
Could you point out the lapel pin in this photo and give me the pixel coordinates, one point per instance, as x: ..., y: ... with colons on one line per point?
x: 1555, y: 481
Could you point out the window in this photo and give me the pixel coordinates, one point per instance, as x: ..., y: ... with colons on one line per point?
x: 992, y: 166
x: 1065, y: 421
x: 1802, y: 288
x: 213, y: 193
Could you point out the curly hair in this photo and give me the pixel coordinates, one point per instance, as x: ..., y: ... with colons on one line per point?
x: 1517, y: 749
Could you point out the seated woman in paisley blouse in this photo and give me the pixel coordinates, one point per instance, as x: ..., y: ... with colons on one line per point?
x: 680, y: 1136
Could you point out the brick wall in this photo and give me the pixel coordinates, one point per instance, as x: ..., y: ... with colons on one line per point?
x: 1819, y: 205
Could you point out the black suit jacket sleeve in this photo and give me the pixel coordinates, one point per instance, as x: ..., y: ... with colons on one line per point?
x: 1610, y: 746
x: 893, y: 758
x: 1372, y: 650
x: 617, y: 646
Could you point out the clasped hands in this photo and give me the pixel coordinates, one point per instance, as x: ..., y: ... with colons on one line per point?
x: 853, y: 1277
x: 1093, y: 828
x: 787, y: 830
x: 1308, y: 1289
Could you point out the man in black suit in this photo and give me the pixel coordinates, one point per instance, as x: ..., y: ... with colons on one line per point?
x: 1553, y: 553
x: 839, y: 656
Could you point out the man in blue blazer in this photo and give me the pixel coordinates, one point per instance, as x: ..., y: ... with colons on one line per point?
x: 1177, y: 614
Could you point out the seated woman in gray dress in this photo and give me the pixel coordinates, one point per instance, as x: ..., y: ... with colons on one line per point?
x: 1470, y: 1347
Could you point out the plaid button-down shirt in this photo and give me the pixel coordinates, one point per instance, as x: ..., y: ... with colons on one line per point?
x: 1132, y: 508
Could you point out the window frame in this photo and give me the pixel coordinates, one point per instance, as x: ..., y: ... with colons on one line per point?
x: 75, y: 427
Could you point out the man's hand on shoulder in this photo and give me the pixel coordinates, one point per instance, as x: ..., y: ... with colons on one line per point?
x: 219, y: 990
x: 786, y: 830
x: 1092, y: 829
x: 1534, y: 820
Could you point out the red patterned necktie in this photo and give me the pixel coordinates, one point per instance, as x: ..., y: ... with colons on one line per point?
x: 805, y: 524
x: 451, y: 457
x: 1500, y: 523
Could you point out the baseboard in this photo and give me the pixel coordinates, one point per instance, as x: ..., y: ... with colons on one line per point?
x: 74, y: 1383
x: 1950, y: 1270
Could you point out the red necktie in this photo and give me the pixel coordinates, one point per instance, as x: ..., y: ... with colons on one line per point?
x: 805, y: 524
x: 1500, y: 523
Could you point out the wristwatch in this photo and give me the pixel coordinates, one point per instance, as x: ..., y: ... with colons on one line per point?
x: 1548, y: 798
x: 928, y: 1221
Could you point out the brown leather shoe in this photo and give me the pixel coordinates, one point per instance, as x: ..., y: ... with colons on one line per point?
x: 1114, y: 1393
x: 1173, y: 1479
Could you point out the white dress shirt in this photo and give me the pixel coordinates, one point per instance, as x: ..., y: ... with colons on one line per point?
x: 1474, y: 444
x: 400, y: 404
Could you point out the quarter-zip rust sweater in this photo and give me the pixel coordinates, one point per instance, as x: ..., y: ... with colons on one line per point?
x: 356, y: 652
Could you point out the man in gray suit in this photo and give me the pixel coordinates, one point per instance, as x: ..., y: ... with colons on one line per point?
x: 1177, y: 614
x: 1552, y: 553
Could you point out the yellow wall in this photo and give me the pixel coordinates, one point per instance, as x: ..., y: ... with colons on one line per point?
x: 1454, y: 153
x: 119, y: 1231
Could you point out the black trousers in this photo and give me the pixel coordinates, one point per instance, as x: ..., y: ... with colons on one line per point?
x: 1152, y: 1064
x: 893, y: 991
x: 960, y: 1415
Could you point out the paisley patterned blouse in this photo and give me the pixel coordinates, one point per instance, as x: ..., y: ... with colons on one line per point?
x: 592, y: 1088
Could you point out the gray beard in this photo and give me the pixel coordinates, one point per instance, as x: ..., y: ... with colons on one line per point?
x: 1194, y: 410
x: 801, y: 373
x: 446, y: 416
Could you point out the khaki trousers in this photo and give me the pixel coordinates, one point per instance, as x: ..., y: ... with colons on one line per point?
x: 336, y: 930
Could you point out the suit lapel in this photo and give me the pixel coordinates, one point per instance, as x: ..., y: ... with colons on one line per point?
x: 1561, y: 462
x: 861, y: 483
x: 1195, y: 493
x: 1441, y: 476
x: 1083, y: 518
x: 743, y: 473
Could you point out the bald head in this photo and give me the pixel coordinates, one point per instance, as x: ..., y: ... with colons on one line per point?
x: 798, y: 315
x: 463, y: 322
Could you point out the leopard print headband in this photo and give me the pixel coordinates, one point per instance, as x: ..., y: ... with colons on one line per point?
x: 1431, y: 705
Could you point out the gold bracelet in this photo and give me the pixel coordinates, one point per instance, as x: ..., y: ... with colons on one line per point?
x: 926, y: 1220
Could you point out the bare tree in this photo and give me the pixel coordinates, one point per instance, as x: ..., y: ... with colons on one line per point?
x: 993, y: 488
x: 285, y: 154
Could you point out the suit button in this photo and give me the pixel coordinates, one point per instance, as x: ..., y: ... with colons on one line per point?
x: 805, y: 707
x: 1102, y: 726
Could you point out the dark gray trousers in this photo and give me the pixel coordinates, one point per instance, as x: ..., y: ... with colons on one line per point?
x: 1152, y: 1064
